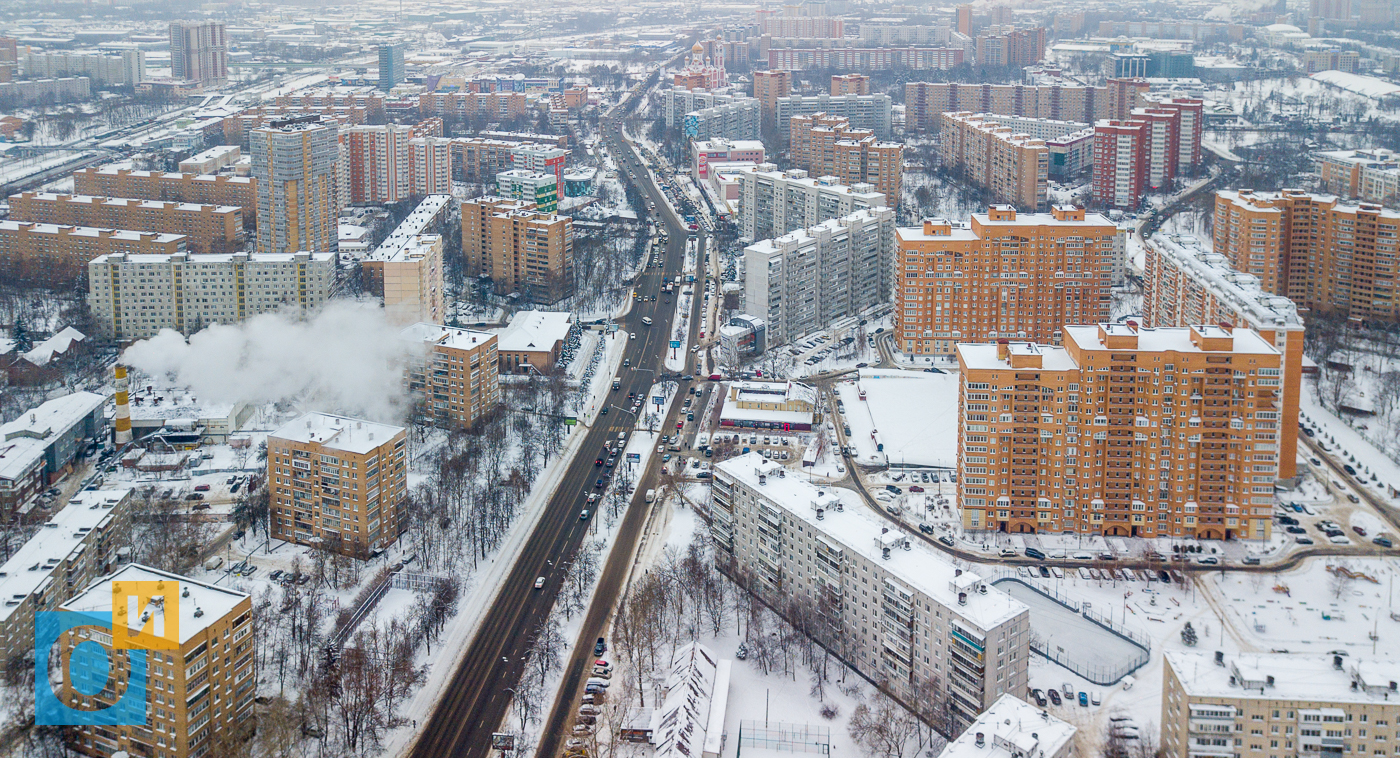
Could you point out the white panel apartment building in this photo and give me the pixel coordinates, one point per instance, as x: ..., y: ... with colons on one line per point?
x: 773, y: 203
x: 133, y: 296
x: 864, y: 111
x: 894, y: 610
x: 803, y: 281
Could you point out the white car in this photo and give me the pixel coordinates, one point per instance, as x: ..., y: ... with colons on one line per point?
x: 539, y: 583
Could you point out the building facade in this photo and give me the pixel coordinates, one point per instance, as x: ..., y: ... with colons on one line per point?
x: 390, y: 65
x: 1013, y: 166
x: 219, y: 189
x: 42, y: 444
x: 520, y: 248
x: 536, y: 187
x: 135, y: 295
x: 390, y: 163
x: 861, y: 111
x: 296, y: 167
x: 1074, y: 439
x: 455, y: 373
x: 703, y: 153
x: 206, y: 228
x: 1013, y: 728
x: 768, y: 87
x: 801, y: 282
x: 773, y: 203
x: 407, y: 268
x: 199, y: 52
x: 900, y: 613
x: 850, y: 84
x: 1003, y: 275
x: 828, y: 146
x: 54, y: 254
x: 337, y: 482
x: 1369, y: 175
x: 925, y: 100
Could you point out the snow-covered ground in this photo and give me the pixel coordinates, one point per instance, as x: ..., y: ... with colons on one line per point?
x: 914, y: 413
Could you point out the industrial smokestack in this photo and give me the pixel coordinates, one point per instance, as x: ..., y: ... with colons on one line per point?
x: 122, y: 421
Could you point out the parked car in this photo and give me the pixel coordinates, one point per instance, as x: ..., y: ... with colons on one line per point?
x: 1359, y: 530
x: 1054, y: 696
x: 1035, y: 553
x: 1383, y: 541
x: 600, y: 647
x: 1084, y: 699
x: 201, y: 488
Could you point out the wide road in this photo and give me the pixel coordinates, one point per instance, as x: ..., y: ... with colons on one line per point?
x: 481, y: 689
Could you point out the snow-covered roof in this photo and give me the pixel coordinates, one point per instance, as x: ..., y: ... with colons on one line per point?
x: 1173, y: 338
x: 534, y: 331
x: 56, y: 345
x: 1241, y: 290
x: 859, y: 531
x: 351, y: 435
x: 772, y: 392
x: 199, y: 604
x: 176, y: 403
x: 985, y: 355
x: 406, y: 234
x: 690, y: 720
x: 32, y: 565
x: 446, y: 336
x: 24, y: 440
x: 1012, y: 728
x: 1369, y: 86
x: 1284, y: 676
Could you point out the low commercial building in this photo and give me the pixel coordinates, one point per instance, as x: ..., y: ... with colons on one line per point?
x: 56, y: 254
x: 1102, y: 452
x: 772, y: 203
x: 338, y: 483
x: 81, y: 542
x: 455, y: 375
x: 802, y: 281
x: 206, y: 684
x: 533, y: 340
x: 206, y: 228
x: 189, y: 292
x: 40, y: 446
x: 407, y: 269
x: 704, y: 153
x: 211, y: 161
x: 898, y: 612
x: 1278, y: 704
x: 1013, y: 728
x: 689, y: 722
x: 743, y: 337
x: 537, y: 187
x: 790, y: 406
x: 1013, y: 166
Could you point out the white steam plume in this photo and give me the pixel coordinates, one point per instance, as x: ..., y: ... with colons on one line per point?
x: 345, y: 359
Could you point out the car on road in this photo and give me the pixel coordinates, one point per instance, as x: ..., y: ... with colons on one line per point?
x: 592, y: 497
x: 925, y: 528
x: 539, y: 583
x: 600, y: 483
x: 1208, y: 560
x: 598, y: 462
x: 1035, y: 553
x: 583, y: 515
x: 945, y: 539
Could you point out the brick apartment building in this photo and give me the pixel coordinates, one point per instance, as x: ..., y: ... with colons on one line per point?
x: 219, y: 189
x: 520, y: 248
x: 1012, y: 165
x: 206, y: 228
x: 825, y: 145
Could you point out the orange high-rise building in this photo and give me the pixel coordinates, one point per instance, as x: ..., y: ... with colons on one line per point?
x: 1005, y: 274
x: 520, y: 248
x: 1123, y: 431
x: 1013, y: 166
x: 768, y: 86
x: 850, y: 84
x: 1316, y: 250
x: 825, y: 145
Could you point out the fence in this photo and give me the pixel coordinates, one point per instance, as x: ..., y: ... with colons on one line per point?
x: 1098, y: 674
x: 784, y: 738
x: 399, y: 580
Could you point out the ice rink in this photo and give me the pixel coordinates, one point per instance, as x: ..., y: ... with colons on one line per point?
x: 1078, y: 643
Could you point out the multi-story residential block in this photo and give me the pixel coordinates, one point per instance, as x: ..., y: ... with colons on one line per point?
x: 964, y: 19
x: 1009, y: 46
x: 895, y: 610
x: 41, y: 446
x: 491, y: 106
x: 391, y: 70
x: 1013, y: 166
x: 1197, y: 31
x: 1278, y: 705
x: 768, y: 87
x: 455, y: 375
x: 547, y: 158
x: 1331, y: 59
x: 1004, y: 274
x: 850, y: 84
x: 296, y: 167
x: 476, y: 159
x: 175, y: 187
x: 206, y: 228
x: 536, y: 187
x: 134, y: 295
x: 75, y: 546
x: 199, y: 692
x: 199, y: 52
x: 862, y: 111
x: 1369, y: 175
x: 53, y: 254
x: 773, y: 203
x: 366, y: 98
x: 1125, y: 93
x: 794, y: 23
x: 1119, y: 150
x: 125, y: 70
x: 797, y: 54
x: 212, y: 161
x: 1145, y: 151
x: 1013, y: 728
x: 925, y: 100
x: 1184, y: 284
x: 1316, y: 250
x: 1128, y: 431
x: 339, y: 483
x: 828, y: 146
x: 803, y: 281
x: 407, y: 270
x: 382, y: 161
x: 47, y: 91
x: 239, y: 126
x: 519, y: 247
x: 703, y: 153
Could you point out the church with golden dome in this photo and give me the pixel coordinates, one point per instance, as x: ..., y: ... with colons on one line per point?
x: 704, y: 68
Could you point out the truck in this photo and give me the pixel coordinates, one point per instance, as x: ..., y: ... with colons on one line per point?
x: 651, y: 496
x: 213, y: 563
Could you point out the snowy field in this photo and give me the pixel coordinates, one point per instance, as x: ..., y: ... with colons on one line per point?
x: 1085, y: 645
x: 915, y: 414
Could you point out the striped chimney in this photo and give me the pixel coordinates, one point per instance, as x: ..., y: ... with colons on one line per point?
x: 122, y: 421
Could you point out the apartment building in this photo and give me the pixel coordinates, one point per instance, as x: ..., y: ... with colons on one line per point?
x: 1013, y: 166
x: 861, y: 111
x: 1008, y: 46
x: 199, y: 52
x: 536, y: 187
x: 199, y: 693
x: 1278, y: 705
x: 1179, y: 436
x: 125, y: 70
x: 1184, y: 284
x: 173, y: 187
x: 79, y: 543
x: 768, y: 87
x: 406, y: 270
x: 213, y: 160
x: 1004, y: 274
x: 371, y: 101
x: 296, y: 168
x: 1369, y: 175
x: 1331, y: 59
x: 520, y: 248
x: 799, y: 53
x: 472, y: 106
x: 54, y: 254
x: 1119, y: 176
x: 47, y: 91
x: 41, y: 446
x: 897, y: 611
x: 382, y: 162
x: 134, y: 295
x: 1013, y: 728
x: 803, y: 281
x: 339, y: 483
x: 239, y: 126
x: 773, y: 203
x: 477, y: 159
x: 549, y: 159
x: 925, y: 100
x: 206, y: 228
x: 825, y: 145
x: 1147, y: 150
x: 455, y: 373
x: 1316, y: 250
x: 849, y: 84
x: 390, y: 65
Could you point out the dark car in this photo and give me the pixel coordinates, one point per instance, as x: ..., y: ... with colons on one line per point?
x: 1303, y: 540
x: 1164, y: 577
x: 1039, y: 697
x: 598, y: 462
x: 600, y: 483
x: 945, y: 539
x: 1054, y: 696
x: 1347, y: 468
x: 600, y: 647
x: 893, y: 489
x: 1289, y: 520
x: 1044, y: 573
x: 925, y: 528
x: 1359, y: 530
x: 1295, y: 530
x: 1034, y: 553
x: 1383, y: 541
